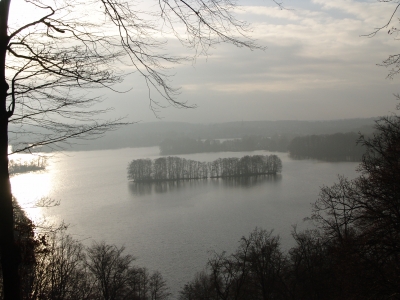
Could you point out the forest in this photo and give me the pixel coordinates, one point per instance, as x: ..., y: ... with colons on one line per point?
x: 176, y: 168
x: 330, y: 147
x: 335, y: 147
x: 55, y: 265
x: 154, y: 133
x: 186, y: 145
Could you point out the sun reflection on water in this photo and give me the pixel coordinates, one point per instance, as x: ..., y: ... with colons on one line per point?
x: 28, y: 189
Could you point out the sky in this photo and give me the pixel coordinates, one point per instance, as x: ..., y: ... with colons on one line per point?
x: 318, y: 65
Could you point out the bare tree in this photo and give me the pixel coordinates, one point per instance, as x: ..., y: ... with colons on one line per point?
x: 61, y: 50
x: 254, y: 271
x: 201, y: 287
x: 158, y: 287
x: 139, y: 282
x: 393, y: 60
x: 115, y: 277
x: 59, y: 270
x: 110, y: 269
x: 362, y: 216
x: 334, y: 212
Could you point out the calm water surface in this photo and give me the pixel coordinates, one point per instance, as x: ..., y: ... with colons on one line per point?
x: 172, y: 227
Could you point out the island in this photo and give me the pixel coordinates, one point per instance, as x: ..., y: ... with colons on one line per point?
x: 175, y: 168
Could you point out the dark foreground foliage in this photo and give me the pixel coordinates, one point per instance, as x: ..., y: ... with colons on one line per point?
x: 353, y: 252
x: 54, y: 266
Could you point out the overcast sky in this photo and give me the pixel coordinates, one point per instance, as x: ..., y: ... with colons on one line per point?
x: 317, y: 66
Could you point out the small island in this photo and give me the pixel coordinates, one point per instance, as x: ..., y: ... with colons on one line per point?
x: 175, y: 168
x: 24, y: 166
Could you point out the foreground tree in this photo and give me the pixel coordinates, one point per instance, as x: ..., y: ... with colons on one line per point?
x: 115, y: 278
x: 59, y: 51
x: 361, y: 217
x: 58, y: 267
x: 58, y: 270
x: 110, y: 269
x: 254, y: 271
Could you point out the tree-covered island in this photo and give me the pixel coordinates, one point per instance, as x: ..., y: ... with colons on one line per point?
x: 176, y: 168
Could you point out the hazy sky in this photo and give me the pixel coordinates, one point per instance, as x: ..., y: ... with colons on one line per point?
x: 317, y: 66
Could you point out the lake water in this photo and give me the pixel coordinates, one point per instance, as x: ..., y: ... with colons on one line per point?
x: 172, y: 227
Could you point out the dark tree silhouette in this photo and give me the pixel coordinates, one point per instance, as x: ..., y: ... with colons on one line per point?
x: 56, y: 266
x: 254, y: 271
x: 60, y: 50
x: 362, y: 216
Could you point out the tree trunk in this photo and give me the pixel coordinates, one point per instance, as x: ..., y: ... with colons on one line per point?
x: 9, y: 252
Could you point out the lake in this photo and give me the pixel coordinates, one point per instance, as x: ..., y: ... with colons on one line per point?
x: 172, y: 227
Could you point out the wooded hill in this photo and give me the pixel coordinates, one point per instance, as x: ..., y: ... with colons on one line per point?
x: 176, y: 168
x: 152, y: 134
x: 330, y: 147
x: 185, y: 145
x: 334, y: 147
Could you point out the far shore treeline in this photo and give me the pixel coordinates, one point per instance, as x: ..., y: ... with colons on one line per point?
x: 176, y: 168
x: 187, y: 145
x: 152, y: 134
x: 333, y: 147
x: 330, y: 147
